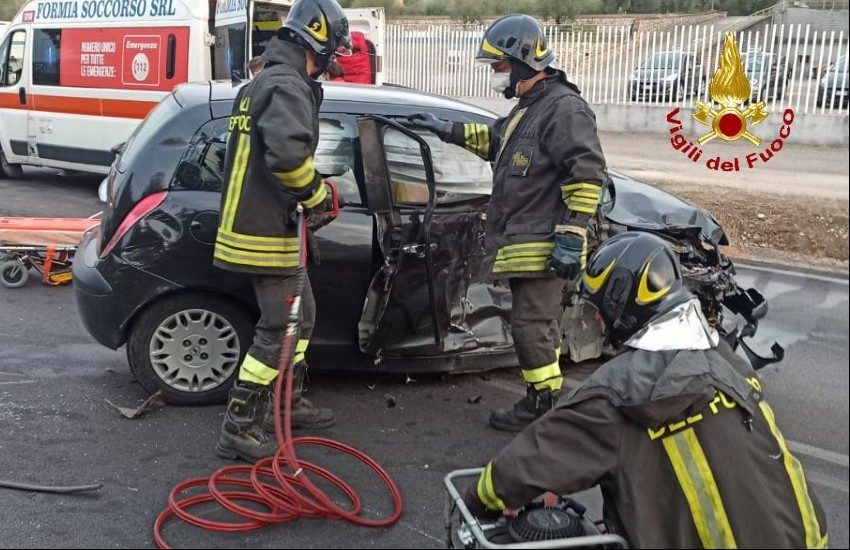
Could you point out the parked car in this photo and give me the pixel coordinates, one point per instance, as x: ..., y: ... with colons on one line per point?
x: 834, y: 87
x: 671, y: 75
x: 403, y: 280
x: 769, y: 75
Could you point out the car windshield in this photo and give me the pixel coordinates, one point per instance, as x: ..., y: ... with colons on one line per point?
x: 840, y: 65
x: 663, y: 60
x: 150, y: 126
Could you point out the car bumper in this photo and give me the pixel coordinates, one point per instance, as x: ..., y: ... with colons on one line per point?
x: 109, y: 292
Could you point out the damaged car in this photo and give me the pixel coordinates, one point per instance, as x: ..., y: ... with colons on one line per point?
x: 402, y: 276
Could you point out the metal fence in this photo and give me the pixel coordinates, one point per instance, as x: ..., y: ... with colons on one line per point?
x: 787, y: 65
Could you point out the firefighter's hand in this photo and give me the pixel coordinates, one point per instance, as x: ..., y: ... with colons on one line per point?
x: 565, y: 260
x: 442, y: 128
x: 321, y: 215
x: 477, y: 508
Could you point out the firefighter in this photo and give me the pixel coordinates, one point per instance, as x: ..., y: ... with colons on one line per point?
x: 676, y: 430
x: 274, y: 130
x: 548, y: 172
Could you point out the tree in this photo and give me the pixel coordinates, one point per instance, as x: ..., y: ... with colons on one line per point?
x: 8, y: 9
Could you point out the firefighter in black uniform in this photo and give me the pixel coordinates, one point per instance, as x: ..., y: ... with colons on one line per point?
x: 274, y: 130
x: 548, y: 172
x: 676, y: 430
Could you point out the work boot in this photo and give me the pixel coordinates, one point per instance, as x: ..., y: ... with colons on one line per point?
x: 242, y: 435
x: 524, y: 412
x: 305, y: 415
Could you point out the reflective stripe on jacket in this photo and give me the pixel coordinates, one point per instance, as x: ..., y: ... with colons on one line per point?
x: 273, y: 133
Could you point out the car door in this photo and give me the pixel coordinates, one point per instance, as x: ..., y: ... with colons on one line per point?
x: 430, y: 295
x: 14, y: 99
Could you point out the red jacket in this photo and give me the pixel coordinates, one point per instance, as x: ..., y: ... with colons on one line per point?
x: 358, y: 65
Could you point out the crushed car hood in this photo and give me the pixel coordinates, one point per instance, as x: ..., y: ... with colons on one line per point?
x: 641, y: 206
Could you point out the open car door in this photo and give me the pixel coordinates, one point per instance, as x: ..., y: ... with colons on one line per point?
x: 430, y: 296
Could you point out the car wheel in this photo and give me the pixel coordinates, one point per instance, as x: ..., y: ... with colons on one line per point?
x: 14, y: 273
x: 8, y: 170
x: 190, y: 347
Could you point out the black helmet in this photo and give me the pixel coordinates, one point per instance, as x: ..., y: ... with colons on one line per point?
x: 321, y: 25
x: 631, y: 279
x: 518, y: 37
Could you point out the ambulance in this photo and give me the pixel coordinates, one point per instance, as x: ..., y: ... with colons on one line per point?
x: 78, y: 76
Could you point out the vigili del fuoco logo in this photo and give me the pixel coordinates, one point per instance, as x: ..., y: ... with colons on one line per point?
x: 730, y: 116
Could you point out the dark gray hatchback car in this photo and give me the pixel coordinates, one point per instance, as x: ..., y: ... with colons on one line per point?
x: 403, y: 279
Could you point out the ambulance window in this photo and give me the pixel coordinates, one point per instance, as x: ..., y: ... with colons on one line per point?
x: 230, y: 56
x: 12, y: 58
x: 46, y: 57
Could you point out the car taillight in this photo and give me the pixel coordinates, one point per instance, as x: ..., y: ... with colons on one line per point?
x: 142, y: 209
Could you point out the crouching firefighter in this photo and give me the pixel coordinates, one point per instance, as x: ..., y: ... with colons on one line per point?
x: 548, y: 171
x: 274, y: 130
x: 676, y: 430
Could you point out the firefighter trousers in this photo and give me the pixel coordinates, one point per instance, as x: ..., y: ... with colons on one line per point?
x: 261, y: 362
x: 535, y: 324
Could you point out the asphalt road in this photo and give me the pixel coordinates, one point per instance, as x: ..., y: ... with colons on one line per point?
x: 58, y: 429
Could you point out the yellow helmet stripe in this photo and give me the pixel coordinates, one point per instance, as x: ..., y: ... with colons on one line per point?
x: 540, y: 53
x: 487, y: 47
x: 319, y: 28
x: 595, y: 283
x: 644, y: 295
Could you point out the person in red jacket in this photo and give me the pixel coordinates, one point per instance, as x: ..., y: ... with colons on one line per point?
x: 357, y: 67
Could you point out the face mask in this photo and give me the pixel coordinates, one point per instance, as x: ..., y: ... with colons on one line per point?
x: 499, y: 82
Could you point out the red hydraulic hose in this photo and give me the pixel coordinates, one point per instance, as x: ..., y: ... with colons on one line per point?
x: 280, y: 484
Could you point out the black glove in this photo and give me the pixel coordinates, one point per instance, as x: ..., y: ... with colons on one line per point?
x: 319, y: 216
x: 477, y: 508
x: 442, y: 128
x: 565, y: 258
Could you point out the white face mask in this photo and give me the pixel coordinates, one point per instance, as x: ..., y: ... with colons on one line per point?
x: 499, y: 82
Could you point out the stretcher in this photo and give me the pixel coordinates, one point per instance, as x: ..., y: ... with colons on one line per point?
x: 44, y: 244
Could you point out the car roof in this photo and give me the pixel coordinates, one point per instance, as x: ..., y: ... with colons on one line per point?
x: 224, y: 90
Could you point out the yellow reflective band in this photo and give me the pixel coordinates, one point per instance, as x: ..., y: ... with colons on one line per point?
x: 697, y: 482
x: 811, y: 525
x: 237, y: 176
x: 300, y: 351
x: 249, y: 242
x: 318, y: 197
x: 486, y: 491
x: 644, y: 295
x: 516, y: 266
x: 593, y: 284
x: 570, y: 188
x: 258, y: 259
x: 256, y: 372
x: 540, y: 374
x: 476, y: 138
x: 582, y: 206
x: 541, y: 248
x: 487, y: 47
x: 300, y: 177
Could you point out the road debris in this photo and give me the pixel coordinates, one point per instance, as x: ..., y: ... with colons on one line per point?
x: 151, y: 404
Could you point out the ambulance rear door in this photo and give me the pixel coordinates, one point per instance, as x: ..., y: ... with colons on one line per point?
x: 372, y: 23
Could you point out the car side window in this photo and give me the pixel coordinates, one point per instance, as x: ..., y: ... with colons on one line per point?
x: 12, y: 58
x: 459, y: 174
x: 202, y: 166
x: 335, y: 155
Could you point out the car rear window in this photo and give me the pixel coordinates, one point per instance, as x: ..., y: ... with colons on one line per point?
x: 147, y: 130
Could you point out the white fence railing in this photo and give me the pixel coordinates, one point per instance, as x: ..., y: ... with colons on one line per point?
x: 787, y: 65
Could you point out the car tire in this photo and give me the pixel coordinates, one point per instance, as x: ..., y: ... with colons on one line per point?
x: 14, y: 273
x: 8, y: 170
x: 214, y: 333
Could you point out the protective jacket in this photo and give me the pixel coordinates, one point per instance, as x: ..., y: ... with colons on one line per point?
x: 548, y: 171
x: 684, y: 447
x: 273, y: 133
